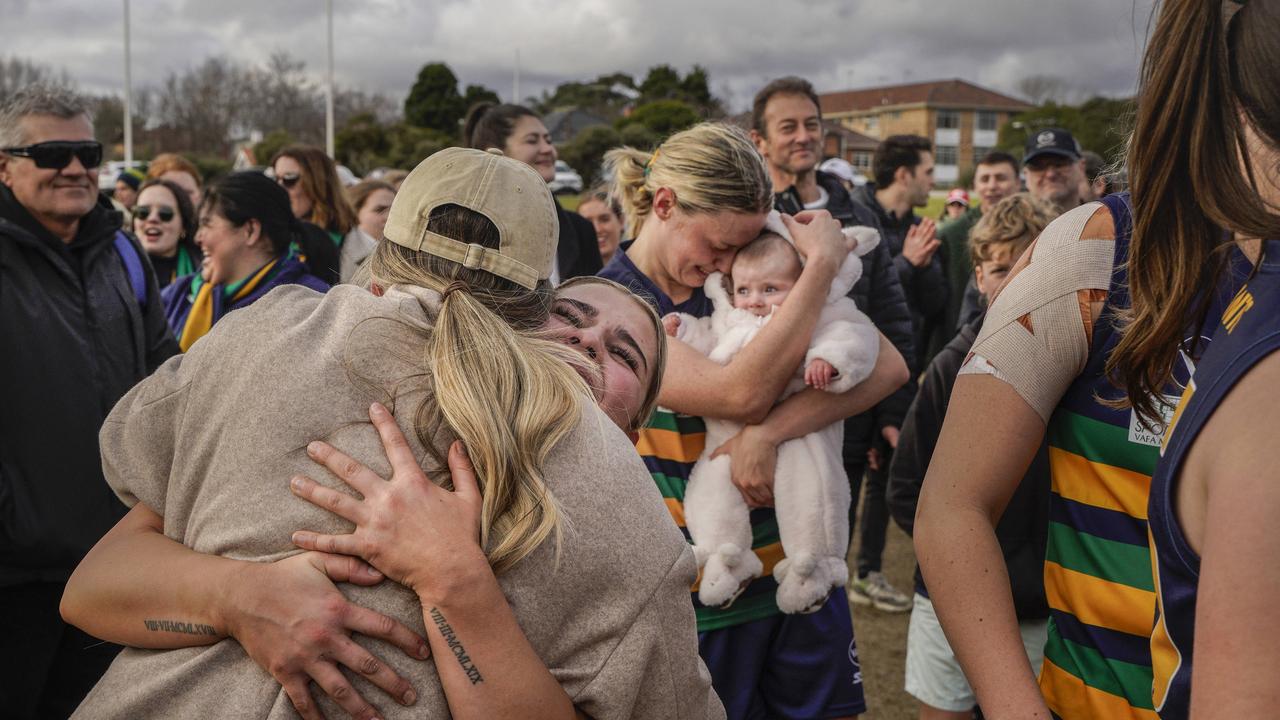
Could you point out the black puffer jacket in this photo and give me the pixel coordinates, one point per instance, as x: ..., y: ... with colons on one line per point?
x: 878, y: 293
x: 74, y: 341
x: 925, y: 287
x: 577, y: 251
x: 1022, y: 530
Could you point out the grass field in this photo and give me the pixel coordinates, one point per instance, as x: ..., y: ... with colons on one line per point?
x: 882, y: 637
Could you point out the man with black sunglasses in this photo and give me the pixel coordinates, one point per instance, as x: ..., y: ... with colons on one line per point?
x: 81, y: 322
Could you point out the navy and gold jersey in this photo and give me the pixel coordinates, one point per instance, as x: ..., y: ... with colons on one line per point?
x: 1249, y: 330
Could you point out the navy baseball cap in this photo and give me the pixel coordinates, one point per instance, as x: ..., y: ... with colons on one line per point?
x: 1051, y: 141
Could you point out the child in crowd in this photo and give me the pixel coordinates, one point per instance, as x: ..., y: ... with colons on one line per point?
x: 811, y: 490
x: 933, y: 675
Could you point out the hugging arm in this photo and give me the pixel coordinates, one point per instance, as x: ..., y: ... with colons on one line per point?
x: 486, y: 665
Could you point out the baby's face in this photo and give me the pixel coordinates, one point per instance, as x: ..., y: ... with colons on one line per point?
x: 759, y: 286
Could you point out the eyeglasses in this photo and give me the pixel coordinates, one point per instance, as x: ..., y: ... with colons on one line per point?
x: 164, y: 212
x: 57, y: 154
x: 288, y: 180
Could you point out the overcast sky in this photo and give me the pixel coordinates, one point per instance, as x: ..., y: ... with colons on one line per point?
x: 380, y: 44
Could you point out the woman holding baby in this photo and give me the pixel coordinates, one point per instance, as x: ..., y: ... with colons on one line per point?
x: 692, y: 204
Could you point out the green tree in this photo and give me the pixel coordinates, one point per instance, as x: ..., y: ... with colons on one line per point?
x: 362, y: 143
x: 598, y: 96
x: 433, y: 101
x: 478, y: 93
x: 638, y: 136
x: 1098, y: 124
x: 663, y: 117
x: 662, y: 82
x: 273, y: 143
x: 695, y: 89
x: 585, y: 152
x: 411, y: 145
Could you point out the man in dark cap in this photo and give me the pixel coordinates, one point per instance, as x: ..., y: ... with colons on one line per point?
x: 1054, y: 167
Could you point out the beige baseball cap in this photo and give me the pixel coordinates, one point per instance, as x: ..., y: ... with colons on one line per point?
x: 508, y: 192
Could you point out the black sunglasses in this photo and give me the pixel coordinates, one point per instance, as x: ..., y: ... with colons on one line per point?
x: 164, y: 212
x: 57, y: 154
x: 288, y: 180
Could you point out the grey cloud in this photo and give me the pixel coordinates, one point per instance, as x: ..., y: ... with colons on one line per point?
x: 1095, y: 44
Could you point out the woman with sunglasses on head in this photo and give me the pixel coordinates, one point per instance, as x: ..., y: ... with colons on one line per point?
x: 165, y: 223
x: 246, y: 238
x: 315, y: 195
x: 534, y: 386
x: 519, y: 133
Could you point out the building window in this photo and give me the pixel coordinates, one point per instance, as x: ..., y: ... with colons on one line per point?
x: 986, y: 120
x: 946, y: 155
x: 862, y: 160
x: 873, y: 122
x: 979, y: 152
x: 948, y: 120
x: 895, y: 115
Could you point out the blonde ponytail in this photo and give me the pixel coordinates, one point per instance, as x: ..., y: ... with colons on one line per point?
x: 711, y: 167
x: 508, y: 394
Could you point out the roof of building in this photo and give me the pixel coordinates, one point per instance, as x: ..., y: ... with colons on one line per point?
x: 564, y: 124
x: 948, y: 93
x: 852, y: 138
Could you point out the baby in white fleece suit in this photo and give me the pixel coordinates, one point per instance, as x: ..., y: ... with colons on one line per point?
x: 811, y: 490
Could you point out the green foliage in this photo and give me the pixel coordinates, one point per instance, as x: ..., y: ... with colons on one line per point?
x: 595, y: 96
x: 364, y: 144
x: 211, y: 166
x: 638, y: 136
x: 434, y: 102
x: 1098, y: 124
x: 477, y: 94
x: 661, y: 83
x: 662, y: 117
x: 586, y: 151
x: 270, y: 145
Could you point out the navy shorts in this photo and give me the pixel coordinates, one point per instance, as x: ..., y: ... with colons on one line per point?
x: 788, y: 666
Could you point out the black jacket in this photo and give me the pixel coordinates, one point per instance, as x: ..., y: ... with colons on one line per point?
x: 878, y: 293
x: 1022, y: 529
x: 577, y: 252
x: 925, y: 287
x: 74, y: 341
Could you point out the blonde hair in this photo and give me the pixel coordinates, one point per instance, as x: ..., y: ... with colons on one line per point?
x: 1016, y: 221
x: 659, y: 362
x: 509, y: 394
x: 711, y: 167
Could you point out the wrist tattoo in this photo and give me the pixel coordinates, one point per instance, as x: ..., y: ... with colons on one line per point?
x: 459, y: 652
x: 178, y: 626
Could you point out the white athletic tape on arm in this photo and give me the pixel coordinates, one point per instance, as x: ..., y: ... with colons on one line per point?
x: 1042, y: 362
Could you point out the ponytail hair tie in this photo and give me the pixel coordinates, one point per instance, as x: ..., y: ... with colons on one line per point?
x: 649, y: 165
x: 452, y: 287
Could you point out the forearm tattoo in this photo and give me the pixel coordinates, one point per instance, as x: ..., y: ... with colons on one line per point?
x: 178, y: 626
x: 459, y: 652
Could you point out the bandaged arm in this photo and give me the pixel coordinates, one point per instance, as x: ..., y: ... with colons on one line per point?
x: 1034, y: 342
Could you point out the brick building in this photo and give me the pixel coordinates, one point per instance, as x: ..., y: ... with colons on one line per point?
x: 962, y: 119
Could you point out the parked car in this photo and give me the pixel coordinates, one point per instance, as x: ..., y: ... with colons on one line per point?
x: 567, y: 180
